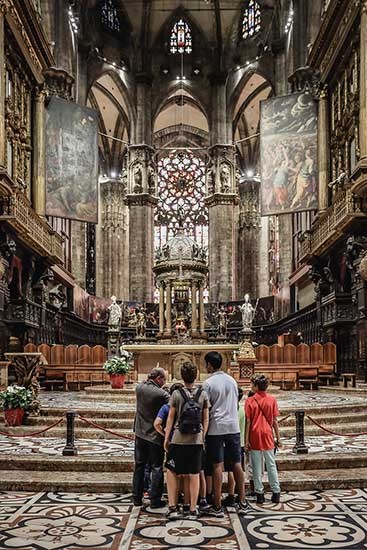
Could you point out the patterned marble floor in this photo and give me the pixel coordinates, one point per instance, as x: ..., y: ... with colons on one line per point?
x: 286, y: 400
x: 53, y: 521
x: 118, y: 447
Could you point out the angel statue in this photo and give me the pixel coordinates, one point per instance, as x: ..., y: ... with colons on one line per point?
x: 248, y: 313
x: 115, y: 315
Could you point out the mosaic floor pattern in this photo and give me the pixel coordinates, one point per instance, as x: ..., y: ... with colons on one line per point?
x: 119, y: 447
x: 286, y: 400
x: 53, y: 521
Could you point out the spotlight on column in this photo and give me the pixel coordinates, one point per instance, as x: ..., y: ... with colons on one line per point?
x: 113, y: 174
x: 250, y: 173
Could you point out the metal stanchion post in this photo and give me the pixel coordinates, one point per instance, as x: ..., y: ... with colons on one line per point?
x: 300, y: 446
x: 70, y: 449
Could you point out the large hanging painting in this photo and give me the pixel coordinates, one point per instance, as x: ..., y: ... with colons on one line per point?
x: 71, y: 161
x: 288, y: 143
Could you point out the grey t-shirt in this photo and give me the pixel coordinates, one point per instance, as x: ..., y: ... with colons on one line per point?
x: 177, y: 402
x: 223, y: 396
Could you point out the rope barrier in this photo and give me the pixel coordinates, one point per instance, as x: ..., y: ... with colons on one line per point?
x: 34, y: 433
x: 332, y: 432
x: 91, y: 423
x: 284, y: 419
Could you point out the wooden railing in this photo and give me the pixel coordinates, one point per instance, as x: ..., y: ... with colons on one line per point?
x: 330, y: 225
x: 34, y: 231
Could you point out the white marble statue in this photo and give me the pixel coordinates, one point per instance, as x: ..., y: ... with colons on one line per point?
x: 115, y: 314
x: 248, y: 312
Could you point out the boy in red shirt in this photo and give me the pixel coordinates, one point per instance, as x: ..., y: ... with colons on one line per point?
x: 261, y: 424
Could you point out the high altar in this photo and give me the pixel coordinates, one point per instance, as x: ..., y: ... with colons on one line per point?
x: 181, y: 275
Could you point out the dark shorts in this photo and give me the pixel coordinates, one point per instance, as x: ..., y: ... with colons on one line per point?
x: 184, y: 459
x: 219, y: 447
x: 228, y: 464
x: 206, y: 465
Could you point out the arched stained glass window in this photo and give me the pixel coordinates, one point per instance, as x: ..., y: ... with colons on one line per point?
x: 109, y: 16
x: 181, y: 41
x: 181, y: 188
x: 251, y: 22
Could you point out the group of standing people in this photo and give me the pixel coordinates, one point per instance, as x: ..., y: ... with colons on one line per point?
x: 199, y: 431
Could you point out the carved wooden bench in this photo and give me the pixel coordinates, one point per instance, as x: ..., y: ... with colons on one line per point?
x: 74, y: 374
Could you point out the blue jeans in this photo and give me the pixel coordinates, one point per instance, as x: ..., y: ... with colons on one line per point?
x: 271, y: 468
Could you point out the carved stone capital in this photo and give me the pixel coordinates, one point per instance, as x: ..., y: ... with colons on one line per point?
x: 58, y: 82
x: 142, y: 199
x: 305, y: 79
x: 221, y: 198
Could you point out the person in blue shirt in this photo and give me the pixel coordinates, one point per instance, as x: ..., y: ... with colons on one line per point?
x: 162, y: 415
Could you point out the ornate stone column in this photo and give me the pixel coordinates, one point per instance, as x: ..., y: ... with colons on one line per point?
x: 3, y: 8
x: 359, y: 176
x: 201, y: 309
x: 141, y: 199
x: 161, y: 308
x: 38, y: 158
x: 249, y: 239
x: 223, y: 224
x: 222, y: 199
x: 113, y: 240
x: 323, y: 150
x: 168, y: 329
x: 194, y: 319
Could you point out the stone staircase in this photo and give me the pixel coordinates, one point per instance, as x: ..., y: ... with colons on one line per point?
x: 93, y: 471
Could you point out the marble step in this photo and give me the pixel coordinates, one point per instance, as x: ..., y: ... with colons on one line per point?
x: 313, y: 409
x: 60, y: 463
x: 111, y: 423
x: 329, y: 418
x: 107, y: 390
x: 94, y: 433
x: 111, y: 397
x: 98, y: 412
x: 312, y: 430
x: 334, y: 420
x: 59, y: 432
x: 120, y: 482
x: 88, y: 463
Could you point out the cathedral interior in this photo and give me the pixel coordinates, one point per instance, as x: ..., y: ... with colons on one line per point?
x: 178, y: 177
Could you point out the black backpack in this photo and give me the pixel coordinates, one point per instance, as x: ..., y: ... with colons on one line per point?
x: 190, y: 417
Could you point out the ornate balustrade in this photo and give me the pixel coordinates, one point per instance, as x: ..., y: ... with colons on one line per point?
x: 328, y: 228
x: 35, y: 232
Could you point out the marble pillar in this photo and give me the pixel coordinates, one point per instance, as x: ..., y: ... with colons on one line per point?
x: 112, y: 240
x: 194, y: 319
x: 201, y: 310
x: 223, y: 212
x: 141, y: 246
x: 222, y: 199
x: 142, y: 186
x: 38, y: 159
x: 323, y: 150
x: 168, y: 329
x: 78, y: 252
x: 161, y: 308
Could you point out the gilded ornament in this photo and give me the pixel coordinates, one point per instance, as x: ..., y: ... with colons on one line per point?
x: 246, y: 351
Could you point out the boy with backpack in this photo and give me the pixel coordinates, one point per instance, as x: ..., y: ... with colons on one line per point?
x: 189, y: 415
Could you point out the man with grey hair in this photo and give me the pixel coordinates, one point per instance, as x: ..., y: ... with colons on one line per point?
x: 148, y: 442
